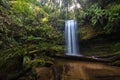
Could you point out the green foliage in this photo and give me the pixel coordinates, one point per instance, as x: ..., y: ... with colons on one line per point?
x: 26, y: 59
x: 26, y: 31
x: 37, y: 62
x: 4, y: 3
x: 93, y: 15
x: 103, y: 19
x: 113, y: 19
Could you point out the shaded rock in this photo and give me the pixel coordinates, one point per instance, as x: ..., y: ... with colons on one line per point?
x: 43, y: 73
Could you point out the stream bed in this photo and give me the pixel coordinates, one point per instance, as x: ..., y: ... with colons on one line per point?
x: 81, y: 70
x: 64, y: 69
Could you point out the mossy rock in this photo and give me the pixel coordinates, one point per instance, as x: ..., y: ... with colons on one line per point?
x: 116, y: 63
x: 86, y: 32
x: 48, y: 63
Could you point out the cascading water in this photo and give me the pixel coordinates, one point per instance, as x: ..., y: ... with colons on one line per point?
x: 71, y: 37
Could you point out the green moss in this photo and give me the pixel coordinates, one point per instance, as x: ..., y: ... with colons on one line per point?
x: 116, y: 63
x: 101, y: 48
x: 86, y: 32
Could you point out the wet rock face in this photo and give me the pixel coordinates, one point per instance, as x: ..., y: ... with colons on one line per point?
x: 70, y: 71
x: 43, y: 73
x: 75, y: 70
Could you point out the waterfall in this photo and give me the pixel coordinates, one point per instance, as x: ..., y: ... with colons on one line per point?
x: 71, y: 37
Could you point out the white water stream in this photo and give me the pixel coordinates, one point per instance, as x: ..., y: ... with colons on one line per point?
x: 71, y: 37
